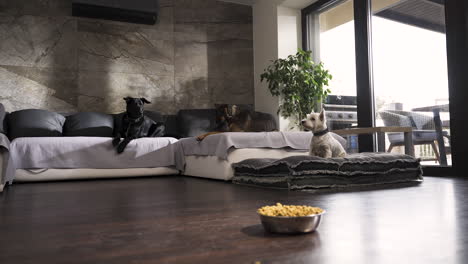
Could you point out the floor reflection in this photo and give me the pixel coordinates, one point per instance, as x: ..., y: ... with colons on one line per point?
x: 410, y: 225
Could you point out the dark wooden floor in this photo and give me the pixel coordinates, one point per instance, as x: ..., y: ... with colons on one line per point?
x: 187, y: 220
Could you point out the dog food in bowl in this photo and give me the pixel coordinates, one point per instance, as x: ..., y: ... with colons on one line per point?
x: 290, y: 219
x: 289, y: 210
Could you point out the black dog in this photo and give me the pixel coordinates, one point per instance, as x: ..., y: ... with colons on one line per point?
x: 134, y: 124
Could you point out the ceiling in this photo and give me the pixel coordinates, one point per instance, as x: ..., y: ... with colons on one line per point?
x: 427, y: 14
x: 298, y: 4
x: 242, y: 2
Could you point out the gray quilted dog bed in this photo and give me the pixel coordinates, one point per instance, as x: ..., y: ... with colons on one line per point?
x: 306, y: 172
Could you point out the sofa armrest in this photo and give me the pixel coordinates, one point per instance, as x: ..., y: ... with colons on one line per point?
x: 4, y: 157
x: 4, y: 142
x: 2, y: 168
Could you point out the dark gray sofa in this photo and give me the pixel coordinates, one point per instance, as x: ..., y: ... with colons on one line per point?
x: 24, y: 126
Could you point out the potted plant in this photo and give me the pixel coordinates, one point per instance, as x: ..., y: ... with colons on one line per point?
x: 301, y: 84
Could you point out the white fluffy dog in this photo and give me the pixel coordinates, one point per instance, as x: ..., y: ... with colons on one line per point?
x: 323, y: 144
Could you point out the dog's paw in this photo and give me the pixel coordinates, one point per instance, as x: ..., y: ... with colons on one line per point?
x: 121, y: 148
x: 200, y: 138
x: 115, y: 142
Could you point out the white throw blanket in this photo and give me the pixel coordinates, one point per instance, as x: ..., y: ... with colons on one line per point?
x: 220, y: 144
x: 87, y: 152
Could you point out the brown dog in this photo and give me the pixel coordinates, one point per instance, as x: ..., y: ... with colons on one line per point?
x: 233, y: 118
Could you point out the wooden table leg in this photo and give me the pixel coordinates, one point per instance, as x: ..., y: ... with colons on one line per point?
x: 409, y: 147
x: 440, y: 138
x: 381, y: 141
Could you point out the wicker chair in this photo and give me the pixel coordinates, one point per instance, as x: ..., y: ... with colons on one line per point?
x: 418, y: 121
x: 423, y: 129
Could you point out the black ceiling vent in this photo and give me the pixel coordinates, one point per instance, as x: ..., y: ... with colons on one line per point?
x: 135, y: 11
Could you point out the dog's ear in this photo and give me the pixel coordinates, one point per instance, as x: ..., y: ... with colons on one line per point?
x: 322, y: 115
x: 226, y: 112
x: 127, y: 98
x: 234, y: 110
x: 144, y: 100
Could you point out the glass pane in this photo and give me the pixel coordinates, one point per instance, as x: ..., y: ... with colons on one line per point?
x: 410, y: 75
x: 333, y: 44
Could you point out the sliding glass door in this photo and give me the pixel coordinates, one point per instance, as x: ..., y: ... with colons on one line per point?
x: 410, y: 75
x: 407, y: 68
x: 333, y: 44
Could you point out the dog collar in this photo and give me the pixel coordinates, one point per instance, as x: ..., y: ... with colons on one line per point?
x: 321, y: 133
x: 136, y: 120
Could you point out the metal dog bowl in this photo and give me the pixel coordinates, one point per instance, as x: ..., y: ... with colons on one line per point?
x: 291, y: 224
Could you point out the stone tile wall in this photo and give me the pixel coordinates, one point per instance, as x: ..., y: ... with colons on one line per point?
x: 199, y: 53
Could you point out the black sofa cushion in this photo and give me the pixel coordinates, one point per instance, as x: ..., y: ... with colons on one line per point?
x: 194, y: 122
x: 170, y: 121
x: 34, y: 123
x: 264, y: 122
x: 89, y: 124
x: 2, y: 119
x: 155, y: 116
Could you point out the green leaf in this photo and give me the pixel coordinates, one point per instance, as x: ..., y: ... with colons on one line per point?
x: 301, y: 83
